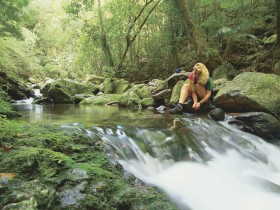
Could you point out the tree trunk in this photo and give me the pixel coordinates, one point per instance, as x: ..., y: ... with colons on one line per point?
x: 277, y: 9
x: 129, y: 39
x: 199, y: 41
x: 173, y: 42
x: 105, y: 45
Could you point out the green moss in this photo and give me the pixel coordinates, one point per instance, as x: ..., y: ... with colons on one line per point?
x: 43, y: 159
x: 32, y: 162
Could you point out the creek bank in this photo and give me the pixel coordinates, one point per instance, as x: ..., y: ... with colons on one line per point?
x: 242, y: 93
x: 50, y: 167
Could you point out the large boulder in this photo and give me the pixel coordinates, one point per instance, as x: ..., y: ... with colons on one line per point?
x: 258, y: 123
x: 176, y: 92
x: 224, y: 71
x: 250, y: 91
x: 137, y: 96
x: 14, y: 88
x: 59, y: 96
x: 74, y: 87
x: 63, y: 90
x: 115, y: 86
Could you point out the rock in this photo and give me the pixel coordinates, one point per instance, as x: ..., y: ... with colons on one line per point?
x: 269, y: 41
x: 258, y: 123
x: 115, y: 86
x: 137, y: 96
x: 58, y: 96
x: 15, y: 89
x: 101, y: 100
x: 175, y: 78
x: 250, y: 91
x: 147, y: 102
x: 62, y: 90
x: 163, y: 94
x: 95, y: 79
x: 217, y: 114
x: 176, y: 92
x: 120, y: 86
x: 158, y: 85
x: 224, y: 71
x: 79, y: 97
x: 44, y: 100
x: 277, y: 68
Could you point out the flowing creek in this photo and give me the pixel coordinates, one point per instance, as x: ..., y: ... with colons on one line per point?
x: 208, y: 166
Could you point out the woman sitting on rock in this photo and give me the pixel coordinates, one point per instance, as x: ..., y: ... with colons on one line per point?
x: 198, y: 87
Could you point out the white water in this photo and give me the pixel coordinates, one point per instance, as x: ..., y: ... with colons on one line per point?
x: 37, y: 93
x: 242, y: 173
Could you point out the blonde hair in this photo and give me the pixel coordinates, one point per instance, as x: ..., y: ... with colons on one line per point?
x: 204, y: 73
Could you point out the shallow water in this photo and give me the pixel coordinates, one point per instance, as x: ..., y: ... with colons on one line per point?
x: 209, y: 165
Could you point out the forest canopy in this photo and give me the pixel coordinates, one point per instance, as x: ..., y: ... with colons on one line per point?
x: 135, y: 39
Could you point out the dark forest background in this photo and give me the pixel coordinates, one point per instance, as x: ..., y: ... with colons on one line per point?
x: 136, y: 39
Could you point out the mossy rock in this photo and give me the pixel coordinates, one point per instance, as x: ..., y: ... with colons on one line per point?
x: 59, y: 96
x: 120, y: 86
x: 32, y: 162
x: 176, y: 92
x: 146, y: 102
x: 250, y: 91
x: 95, y: 79
x: 270, y: 40
x: 101, y: 99
x: 277, y: 68
x: 74, y: 87
x: 133, y: 97
x: 224, y: 71
x: 107, y: 86
x: 130, y: 98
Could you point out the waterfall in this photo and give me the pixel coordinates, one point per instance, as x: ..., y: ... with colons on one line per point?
x: 209, y: 166
x: 37, y: 94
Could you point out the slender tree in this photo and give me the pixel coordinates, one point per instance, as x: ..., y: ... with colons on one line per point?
x: 105, y: 45
x: 130, y: 38
x: 199, y: 41
x: 277, y: 6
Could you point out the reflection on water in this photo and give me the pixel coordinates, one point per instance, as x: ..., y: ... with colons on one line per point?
x: 87, y: 115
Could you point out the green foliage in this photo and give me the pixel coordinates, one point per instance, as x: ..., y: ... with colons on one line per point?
x: 10, y: 17
x: 4, y: 104
x: 16, y: 59
x: 77, y: 6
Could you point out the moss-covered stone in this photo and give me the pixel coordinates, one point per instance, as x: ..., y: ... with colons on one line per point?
x: 137, y: 96
x: 251, y: 91
x: 176, y: 92
x: 224, y: 71
x: 146, y: 102
x: 120, y: 86
x: 101, y: 99
x: 277, y: 68
x: 63, y: 168
x: 108, y: 86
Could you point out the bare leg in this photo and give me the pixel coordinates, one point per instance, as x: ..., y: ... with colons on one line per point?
x: 185, y: 92
x: 200, y: 91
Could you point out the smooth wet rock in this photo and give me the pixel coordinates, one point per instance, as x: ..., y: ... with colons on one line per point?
x: 217, y: 114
